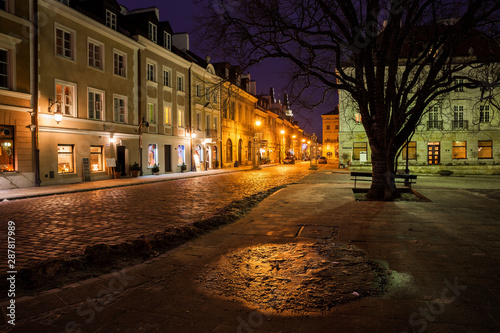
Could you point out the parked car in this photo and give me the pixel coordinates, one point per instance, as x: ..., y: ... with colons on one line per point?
x: 289, y: 160
x: 322, y: 160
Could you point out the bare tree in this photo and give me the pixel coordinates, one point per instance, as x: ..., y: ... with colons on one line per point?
x: 392, y: 57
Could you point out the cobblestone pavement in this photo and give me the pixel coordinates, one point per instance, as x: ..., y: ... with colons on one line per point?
x: 64, y: 224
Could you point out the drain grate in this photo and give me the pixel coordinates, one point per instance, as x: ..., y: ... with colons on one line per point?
x: 318, y: 231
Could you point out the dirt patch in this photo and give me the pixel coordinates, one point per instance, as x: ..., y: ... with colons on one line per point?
x: 293, y: 277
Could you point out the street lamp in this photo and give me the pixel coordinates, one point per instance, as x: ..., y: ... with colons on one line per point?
x: 313, y: 159
x: 256, y: 160
x: 282, y: 132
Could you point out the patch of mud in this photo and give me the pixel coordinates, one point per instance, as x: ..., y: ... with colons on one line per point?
x: 293, y: 277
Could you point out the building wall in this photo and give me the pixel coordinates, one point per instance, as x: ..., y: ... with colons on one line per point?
x: 73, y: 71
x: 16, y: 149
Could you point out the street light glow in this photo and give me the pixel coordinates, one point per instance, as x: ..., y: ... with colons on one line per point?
x: 257, y: 123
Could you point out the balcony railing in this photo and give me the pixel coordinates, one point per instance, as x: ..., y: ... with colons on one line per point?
x: 460, y: 124
x: 211, y: 134
x: 435, y: 125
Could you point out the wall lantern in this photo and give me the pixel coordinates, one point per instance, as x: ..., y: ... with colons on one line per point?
x: 58, y: 114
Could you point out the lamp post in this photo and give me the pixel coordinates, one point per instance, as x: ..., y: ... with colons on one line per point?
x: 57, y: 114
x: 282, y: 132
x: 256, y: 160
x: 313, y: 159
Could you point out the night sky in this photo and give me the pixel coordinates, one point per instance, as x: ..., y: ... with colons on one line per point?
x: 182, y: 14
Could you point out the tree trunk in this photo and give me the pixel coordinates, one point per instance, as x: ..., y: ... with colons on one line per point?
x: 383, y: 187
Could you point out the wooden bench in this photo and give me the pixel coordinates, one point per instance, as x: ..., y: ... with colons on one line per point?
x: 407, y: 180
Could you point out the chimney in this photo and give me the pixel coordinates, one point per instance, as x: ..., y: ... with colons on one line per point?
x: 181, y: 41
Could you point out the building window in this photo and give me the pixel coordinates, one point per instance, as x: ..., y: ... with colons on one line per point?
x: 180, y: 118
x: 7, y: 158
x: 96, y: 54
x: 198, y: 121
x: 224, y: 109
x: 215, y: 96
x: 96, y: 104
x: 167, y: 78
x: 111, y: 19
x: 327, y: 127
x: 96, y: 159
x: 64, y: 43
x: 65, y: 159
x: 232, y: 110
x: 198, y: 90
x: 357, y: 118
x: 4, y: 69
x: 484, y: 113
x: 485, y: 149
x: 151, y: 116
x: 167, y: 40
x: 412, y: 150
x: 458, y: 116
x: 207, y: 120
x: 434, y: 122
x: 358, y: 147
x: 215, y: 123
x: 152, y: 155
x: 65, y: 95
x: 181, y: 154
x: 119, y: 64
x: 459, y: 149
x: 249, y: 153
x: 229, y: 151
x: 457, y: 82
x: 151, y: 72
x: 119, y: 109
x: 168, y: 115
x: 180, y: 83
x: 3, y: 5
x: 152, y: 32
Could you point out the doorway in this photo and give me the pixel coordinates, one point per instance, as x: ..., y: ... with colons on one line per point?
x: 122, y: 158
x: 240, y: 150
x: 168, y: 158
x: 433, y: 152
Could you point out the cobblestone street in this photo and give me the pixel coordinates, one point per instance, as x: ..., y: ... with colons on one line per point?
x: 63, y: 224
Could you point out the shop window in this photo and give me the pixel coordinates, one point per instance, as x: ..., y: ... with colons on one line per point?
x: 358, y: 147
x: 96, y: 158
x: 65, y: 159
x: 459, y: 149
x: 7, y: 148
x: 181, y: 154
x: 152, y: 155
x: 485, y: 149
x: 412, y: 150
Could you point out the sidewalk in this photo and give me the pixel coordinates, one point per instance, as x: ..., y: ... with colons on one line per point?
x: 30, y: 192
x: 443, y: 258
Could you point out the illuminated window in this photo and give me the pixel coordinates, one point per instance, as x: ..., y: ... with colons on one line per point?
x: 167, y: 115
x: 181, y: 154
x: 7, y: 157
x: 357, y: 118
x: 485, y: 149
x: 65, y: 159
x: 412, y: 151
x: 96, y: 159
x: 358, y: 147
x: 180, y: 118
x: 459, y: 149
x: 65, y: 95
x: 229, y: 151
x: 152, y: 155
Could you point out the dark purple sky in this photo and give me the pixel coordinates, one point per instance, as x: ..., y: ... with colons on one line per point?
x: 182, y: 14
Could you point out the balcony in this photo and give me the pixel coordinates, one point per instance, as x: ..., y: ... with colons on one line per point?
x: 211, y: 134
x: 435, y: 125
x: 460, y: 124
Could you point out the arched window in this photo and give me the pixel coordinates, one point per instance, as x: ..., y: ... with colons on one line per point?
x: 240, y: 150
x: 229, y: 151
